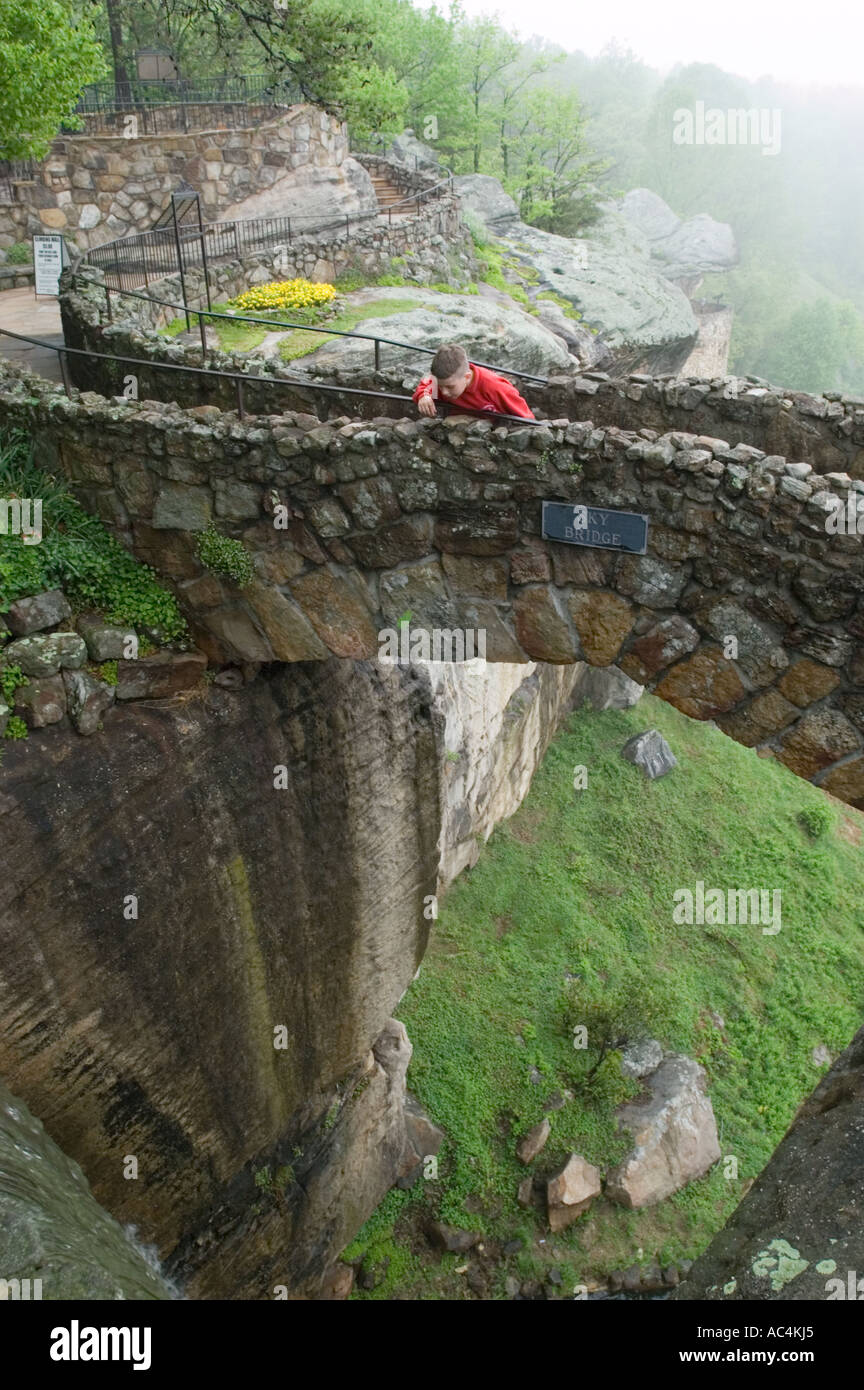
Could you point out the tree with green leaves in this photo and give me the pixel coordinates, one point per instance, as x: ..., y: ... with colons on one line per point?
x: 50, y: 52
x: 557, y: 184
x: 324, y: 46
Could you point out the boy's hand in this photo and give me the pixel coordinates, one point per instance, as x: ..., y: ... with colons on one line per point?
x: 426, y: 404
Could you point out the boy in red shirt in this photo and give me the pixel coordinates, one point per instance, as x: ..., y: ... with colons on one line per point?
x: 455, y: 379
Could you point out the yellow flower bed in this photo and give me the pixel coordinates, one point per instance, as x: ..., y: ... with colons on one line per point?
x: 286, y: 294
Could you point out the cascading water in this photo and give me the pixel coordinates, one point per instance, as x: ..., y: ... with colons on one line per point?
x: 53, y: 1232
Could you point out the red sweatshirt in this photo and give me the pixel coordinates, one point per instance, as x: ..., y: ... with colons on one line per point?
x: 485, y: 391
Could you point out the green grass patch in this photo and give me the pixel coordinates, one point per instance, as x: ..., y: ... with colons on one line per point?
x: 233, y: 337
x: 571, y: 899
x: 300, y: 344
x: 77, y: 554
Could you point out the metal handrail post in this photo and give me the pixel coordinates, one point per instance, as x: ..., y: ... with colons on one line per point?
x: 180, y: 264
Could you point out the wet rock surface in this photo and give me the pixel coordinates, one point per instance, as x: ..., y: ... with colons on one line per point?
x: 799, y: 1231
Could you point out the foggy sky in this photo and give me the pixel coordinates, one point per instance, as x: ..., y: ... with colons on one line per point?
x: 786, y: 39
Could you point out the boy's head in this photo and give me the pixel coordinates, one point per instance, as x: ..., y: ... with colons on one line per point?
x: 452, y: 371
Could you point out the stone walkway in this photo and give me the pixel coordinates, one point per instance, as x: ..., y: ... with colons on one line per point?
x: 22, y: 312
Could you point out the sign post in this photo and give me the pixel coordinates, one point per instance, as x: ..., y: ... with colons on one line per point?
x: 599, y: 528
x: 49, y: 258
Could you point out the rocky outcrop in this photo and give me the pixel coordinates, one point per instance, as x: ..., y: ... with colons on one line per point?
x: 675, y: 1135
x: 798, y: 1235
x: 489, y: 331
x: 608, y: 276
x: 408, y: 150
x: 328, y: 194
x: 484, y: 197
x: 56, y: 1242
x: 684, y: 250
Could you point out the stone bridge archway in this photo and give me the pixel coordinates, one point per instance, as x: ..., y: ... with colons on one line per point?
x: 746, y: 609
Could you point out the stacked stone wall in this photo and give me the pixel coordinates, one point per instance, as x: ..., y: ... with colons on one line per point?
x: 747, y: 609
x: 95, y: 188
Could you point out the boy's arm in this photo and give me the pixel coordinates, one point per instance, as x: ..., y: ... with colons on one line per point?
x: 427, y: 387
x: 510, y: 402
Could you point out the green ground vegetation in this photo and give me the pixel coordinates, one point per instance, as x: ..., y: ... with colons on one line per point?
x: 569, y: 914
x: 77, y: 554
x: 300, y: 344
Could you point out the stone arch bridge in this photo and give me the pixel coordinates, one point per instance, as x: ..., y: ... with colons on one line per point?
x: 441, y: 520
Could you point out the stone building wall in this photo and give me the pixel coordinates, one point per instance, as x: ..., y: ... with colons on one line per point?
x: 442, y: 518
x: 96, y: 188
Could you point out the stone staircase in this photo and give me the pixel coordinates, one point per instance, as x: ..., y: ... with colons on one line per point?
x: 389, y: 195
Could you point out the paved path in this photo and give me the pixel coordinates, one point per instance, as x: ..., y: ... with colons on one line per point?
x: 22, y: 312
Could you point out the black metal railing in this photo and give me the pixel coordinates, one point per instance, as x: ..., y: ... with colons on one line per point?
x: 242, y: 382
x: 254, y: 89
x: 144, y: 256
x: 166, y: 106
x: 12, y: 173
x: 205, y: 314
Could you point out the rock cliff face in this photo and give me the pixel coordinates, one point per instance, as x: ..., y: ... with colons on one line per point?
x: 211, y: 908
x: 683, y: 250
x: 196, y: 961
x: 498, y: 721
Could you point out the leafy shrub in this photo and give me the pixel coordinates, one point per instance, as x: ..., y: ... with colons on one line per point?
x: 107, y: 672
x: 480, y: 234
x: 222, y: 555
x: 77, y: 554
x: 15, y: 728
x: 11, y: 679
x: 615, y: 1013
x: 815, y: 820
x: 20, y: 254
x: 285, y: 294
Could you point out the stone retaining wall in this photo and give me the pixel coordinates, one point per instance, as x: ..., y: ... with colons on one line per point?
x: 827, y: 431
x: 442, y: 519
x: 96, y: 188
x: 15, y: 277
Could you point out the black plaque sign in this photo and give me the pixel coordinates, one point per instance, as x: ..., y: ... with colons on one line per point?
x: 597, y: 527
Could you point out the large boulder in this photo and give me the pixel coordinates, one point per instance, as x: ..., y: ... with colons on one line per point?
x: 483, y: 196
x: 675, y: 1135
x: 407, y: 149
x: 571, y: 1191
x: 508, y: 337
x: 610, y: 278
x: 313, y: 197
x: 686, y: 250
